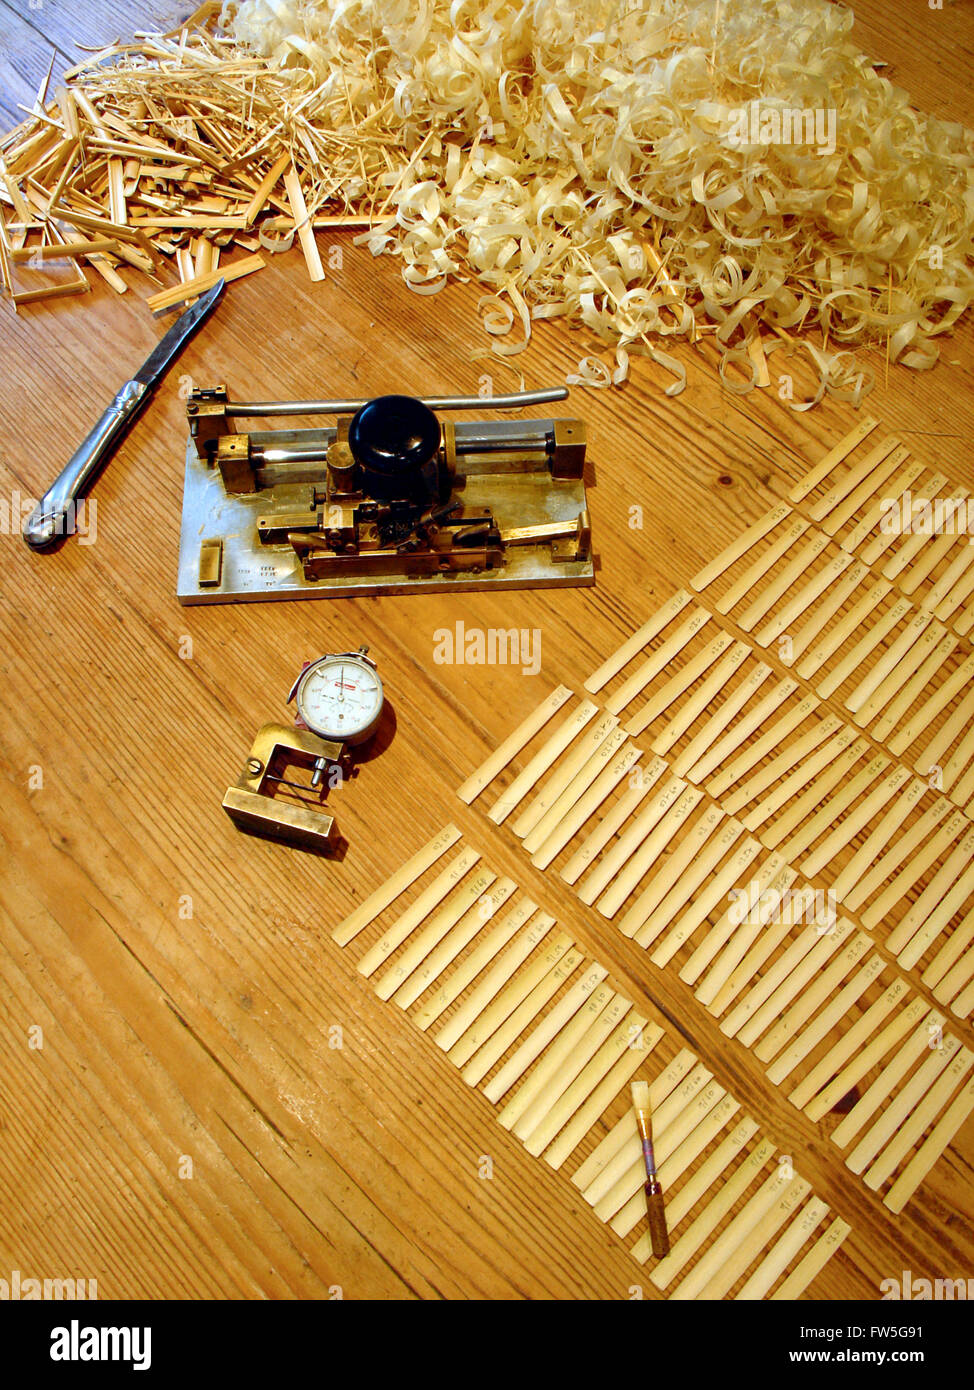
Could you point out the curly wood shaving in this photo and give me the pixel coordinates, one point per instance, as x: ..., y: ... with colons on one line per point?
x: 583, y: 164
x: 646, y: 171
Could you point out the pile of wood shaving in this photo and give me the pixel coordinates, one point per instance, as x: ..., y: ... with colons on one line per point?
x: 580, y: 161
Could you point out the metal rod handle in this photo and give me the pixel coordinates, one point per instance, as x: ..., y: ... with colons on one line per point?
x: 348, y: 407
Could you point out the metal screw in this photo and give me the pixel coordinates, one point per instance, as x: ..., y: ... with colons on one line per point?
x: 254, y: 766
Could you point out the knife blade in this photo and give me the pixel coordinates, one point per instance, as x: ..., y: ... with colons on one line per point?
x: 54, y: 516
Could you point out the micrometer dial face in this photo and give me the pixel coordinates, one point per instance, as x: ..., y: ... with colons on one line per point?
x: 340, y: 698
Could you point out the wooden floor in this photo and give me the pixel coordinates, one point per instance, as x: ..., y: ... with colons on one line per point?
x: 186, y: 1130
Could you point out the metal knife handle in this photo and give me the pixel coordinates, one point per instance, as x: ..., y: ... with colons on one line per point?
x: 54, y: 513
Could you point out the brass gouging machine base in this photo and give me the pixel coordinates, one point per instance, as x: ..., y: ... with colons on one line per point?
x: 391, y: 499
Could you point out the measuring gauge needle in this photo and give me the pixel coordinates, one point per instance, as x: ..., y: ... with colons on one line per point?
x: 55, y: 514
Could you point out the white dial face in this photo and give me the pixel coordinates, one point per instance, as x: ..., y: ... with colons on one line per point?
x: 340, y: 698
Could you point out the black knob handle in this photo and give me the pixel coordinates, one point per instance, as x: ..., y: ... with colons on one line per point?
x: 396, y: 440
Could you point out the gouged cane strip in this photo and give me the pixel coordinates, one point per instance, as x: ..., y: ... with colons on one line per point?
x: 846, y: 1046
x: 669, y: 875
x: 546, y: 1032
x: 761, y: 606
x: 705, y: 577
x: 930, y: 667
x: 871, y: 1055
x: 959, y: 592
x: 800, y: 602
x: 598, y: 1101
x: 722, y: 931
x: 750, y: 1216
x: 497, y: 977
x: 517, y: 1007
x: 781, y: 765
x: 817, y: 621
x: 936, y: 889
x: 564, y: 804
x: 434, y: 953
x: 814, y: 1262
x: 403, y: 878
x: 938, y: 919
x: 835, y: 807
x: 874, y: 514
x: 429, y: 899
x: 906, y: 849
x: 959, y: 759
x: 595, y: 1086
x: 719, y: 722
x: 680, y: 683
x: 878, y: 841
x: 890, y: 660
x: 909, y: 877
x: 930, y: 1150
x: 586, y: 806
x: 631, y: 648
x: 897, y: 1114
x: 952, y: 579
x: 648, y: 853
x: 644, y: 779
x: 605, y: 1159
x: 832, y: 459
x: 965, y: 621
x: 716, y: 1209
x: 958, y: 720
x: 701, y: 868
x: 596, y: 1021
x: 513, y: 744
x: 521, y: 1016
x: 889, y: 456
x: 716, y: 892
x: 762, y: 565
x: 817, y: 1030
x: 720, y: 751
x: 750, y: 948
x: 552, y: 749
x: 631, y: 839
x: 872, y: 638
x: 690, y: 1125
x: 784, y: 1251
x: 849, y: 623
x: 700, y: 701
x: 846, y: 496
x: 885, y: 1086
x: 814, y: 993
x: 964, y: 1003
x: 913, y: 1129
x: 715, y: 1117
x: 934, y: 550
x: 464, y: 900
x: 957, y: 681
x: 915, y: 542
x: 588, y: 743
x: 478, y: 960
x: 862, y: 816
x: 777, y: 987
x: 754, y: 1241
x: 817, y: 775
x: 302, y: 224
x: 759, y: 749
x: 962, y: 791
x: 950, y: 955
x: 658, y: 661
x: 955, y: 979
